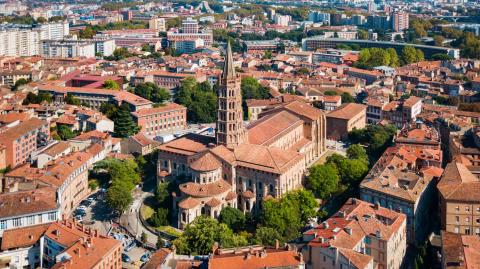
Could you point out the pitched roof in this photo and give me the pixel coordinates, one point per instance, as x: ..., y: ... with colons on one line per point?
x: 207, y: 162
x: 268, y: 258
x: 22, y: 128
x: 188, y: 203
x: 205, y: 189
x: 460, y: 251
x: 27, y: 202
x: 266, y: 129
x: 23, y: 237
x: 156, y: 110
x: 157, y: 259
x: 459, y: 184
x: 269, y: 159
x: 347, y: 111
x: 188, y: 144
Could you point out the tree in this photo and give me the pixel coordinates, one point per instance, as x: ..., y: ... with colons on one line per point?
x: 41, y: 20
x: 152, y: 92
x: 352, y: 170
x: 200, y: 100
x: 441, y: 57
x: 267, y: 55
x: 144, y: 237
x: 411, y: 55
x: 71, y: 100
x: 290, y: 213
x: 267, y: 236
x: 64, y: 132
x: 252, y: 89
x: 19, y: 83
x: 233, y: 218
x: 347, y: 98
x: 111, y: 84
x: 362, y: 34
x: 159, y: 243
x: 438, y: 40
x: 356, y: 151
x: 124, y: 124
x: 323, y: 180
x: 159, y: 217
x: 109, y: 110
x: 119, y: 196
x: 394, y: 60
x: 161, y: 193
x: 87, y: 33
x: 330, y: 93
x: 200, y: 235
x: 32, y: 98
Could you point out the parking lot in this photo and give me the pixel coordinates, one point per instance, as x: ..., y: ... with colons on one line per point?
x: 94, y: 213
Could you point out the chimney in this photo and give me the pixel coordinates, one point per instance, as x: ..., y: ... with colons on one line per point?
x: 354, y: 201
x: 376, y: 206
x: 325, y: 225
x: 78, y: 252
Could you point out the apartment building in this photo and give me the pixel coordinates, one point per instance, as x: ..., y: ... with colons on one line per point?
x: 157, y: 24
x: 166, y: 118
x: 96, y: 97
x: 70, y: 245
x: 18, y: 40
x: 67, y: 48
x: 131, y: 37
x: 344, y: 119
x: 459, y: 200
x: 459, y: 251
x: 26, y: 208
x: 190, y: 26
x: 403, y: 112
x: 400, y: 21
x: 10, y: 77
x: 403, y: 179
x: 69, y: 175
x: 359, y: 236
x: 165, y: 79
x: 22, y: 139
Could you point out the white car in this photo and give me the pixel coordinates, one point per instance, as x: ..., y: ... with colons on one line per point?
x: 79, y: 218
x: 82, y: 207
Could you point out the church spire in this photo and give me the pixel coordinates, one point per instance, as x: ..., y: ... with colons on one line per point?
x: 228, y: 67
x: 230, y: 129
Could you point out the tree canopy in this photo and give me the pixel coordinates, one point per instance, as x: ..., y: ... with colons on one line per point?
x: 411, y: 55
x: 124, y: 124
x: 323, y: 180
x: 200, y: 100
x: 111, y: 84
x: 372, y: 57
x: 152, y: 92
x: 233, y: 218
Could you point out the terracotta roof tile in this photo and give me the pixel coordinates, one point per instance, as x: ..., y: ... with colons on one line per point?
x: 23, y: 237
x: 206, y: 162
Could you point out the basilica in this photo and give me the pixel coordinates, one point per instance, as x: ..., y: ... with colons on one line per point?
x: 242, y: 165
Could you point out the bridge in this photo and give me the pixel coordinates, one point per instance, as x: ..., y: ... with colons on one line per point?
x: 452, y: 18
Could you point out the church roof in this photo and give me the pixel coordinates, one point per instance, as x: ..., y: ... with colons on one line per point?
x: 205, y: 163
x: 205, y: 190
x: 268, y: 159
x: 188, y: 144
x: 266, y: 129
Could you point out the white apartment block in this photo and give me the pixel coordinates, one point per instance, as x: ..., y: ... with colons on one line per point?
x: 67, y: 48
x: 54, y: 30
x: 282, y: 20
x: 104, y: 46
x: 21, y: 41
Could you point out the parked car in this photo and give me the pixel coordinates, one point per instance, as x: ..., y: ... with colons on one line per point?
x: 130, y: 246
x: 145, y: 257
x: 82, y: 207
x: 90, y: 199
x: 79, y: 218
x: 126, y: 258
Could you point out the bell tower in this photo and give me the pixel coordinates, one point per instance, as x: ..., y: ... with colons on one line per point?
x: 230, y: 129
